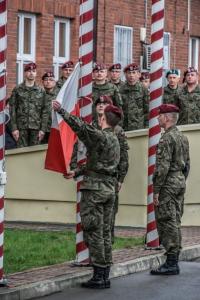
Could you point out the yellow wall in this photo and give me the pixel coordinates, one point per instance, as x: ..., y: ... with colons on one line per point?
x: 35, y: 194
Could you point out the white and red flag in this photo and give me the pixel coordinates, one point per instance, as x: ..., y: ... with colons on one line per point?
x: 62, y: 137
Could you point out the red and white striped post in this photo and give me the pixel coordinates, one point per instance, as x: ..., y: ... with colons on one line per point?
x: 157, y: 30
x: 3, y: 47
x: 86, y: 59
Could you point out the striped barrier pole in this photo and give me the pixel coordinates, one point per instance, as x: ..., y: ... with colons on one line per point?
x: 85, y: 103
x: 157, y: 30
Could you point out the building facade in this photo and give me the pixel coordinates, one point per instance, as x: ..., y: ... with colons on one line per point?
x: 47, y: 32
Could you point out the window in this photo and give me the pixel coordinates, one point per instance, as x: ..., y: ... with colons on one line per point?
x: 61, y: 44
x: 123, y: 41
x: 166, y: 51
x: 194, y: 52
x: 26, y: 39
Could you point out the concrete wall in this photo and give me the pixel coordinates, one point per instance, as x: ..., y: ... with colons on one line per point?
x: 35, y: 194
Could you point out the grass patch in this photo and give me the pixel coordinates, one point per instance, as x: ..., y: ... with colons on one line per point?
x: 26, y: 249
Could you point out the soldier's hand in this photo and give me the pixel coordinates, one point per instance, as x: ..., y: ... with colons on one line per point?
x: 56, y: 105
x: 119, y: 186
x: 41, y: 135
x: 155, y: 199
x: 15, y: 134
x: 69, y: 175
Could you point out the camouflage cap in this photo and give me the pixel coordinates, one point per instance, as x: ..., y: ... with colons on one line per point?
x: 114, y: 109
x: 67, y: 64
x: 168, y: 108
x: 115, y: 67
x: 172, y: 72
x: 99, y: 66
x: 144, y: 75
x: 132, y: 67
x: 30, y: 66
x: 104, y: 99
x: 48, y: 74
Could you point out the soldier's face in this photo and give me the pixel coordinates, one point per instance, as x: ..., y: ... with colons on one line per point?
x: 146, y: 83
x: 49, y: 83
x: 161, y: 120
x: 173, y: 80
x: 100, y: 75
x: 31, y: 74
x: 115, y: 75
x: 132, y: 76
x: 192, y: 78
x: 66, y: 72
x: 100, y: 107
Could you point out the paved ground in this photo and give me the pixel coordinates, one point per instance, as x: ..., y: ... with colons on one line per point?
x: 191, y: 236
x: 142, y: 286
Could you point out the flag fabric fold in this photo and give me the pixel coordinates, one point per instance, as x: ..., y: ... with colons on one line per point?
x: 62, y: 137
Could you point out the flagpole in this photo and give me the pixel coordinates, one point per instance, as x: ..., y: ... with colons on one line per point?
x: 85, y: 103
x: 157, y: 31
x: 3, y: 48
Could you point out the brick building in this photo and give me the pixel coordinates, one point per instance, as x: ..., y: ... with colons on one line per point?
x: 47, y: 31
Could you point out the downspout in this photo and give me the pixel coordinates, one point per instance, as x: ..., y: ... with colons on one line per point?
x: 95, y: 31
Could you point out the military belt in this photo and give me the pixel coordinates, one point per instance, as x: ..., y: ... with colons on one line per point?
x: 99, y: 175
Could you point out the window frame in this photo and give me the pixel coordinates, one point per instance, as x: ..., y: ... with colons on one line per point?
x: 115, y: 59
x: 197, y: 39
x: 59, y: 60
x: 23, y: 58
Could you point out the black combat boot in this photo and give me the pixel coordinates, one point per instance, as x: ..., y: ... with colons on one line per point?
x: 170, y: 267
x: 97, y: 281
x: 106, y: 277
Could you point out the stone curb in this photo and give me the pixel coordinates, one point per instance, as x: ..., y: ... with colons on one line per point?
x: 48, y: 287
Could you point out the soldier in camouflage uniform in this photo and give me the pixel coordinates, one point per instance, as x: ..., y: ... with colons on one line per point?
x: 171, y: 171
x: 115, y: 75
x: 170, y: 94
x: 123, y: 165
x: 97, y: 187
x: 189, y: 99
x: 28, y: 110
x: 49, y: 83
x: 102, y: 87
x: 67, y: 69
x: 145, y: 80
x: 135, y: 98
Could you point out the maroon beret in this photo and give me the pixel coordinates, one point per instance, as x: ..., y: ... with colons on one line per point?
x: 114, y: 109
x: 48, y: 74
x: 67, y: 64
x: 144, y: 75
x: 115, y: 67
x: 30, y: 66
x: 190, y: 70
x: 132, y: 67
x: 104, y: 99
x: 168, y: 108
x: 99, y: 66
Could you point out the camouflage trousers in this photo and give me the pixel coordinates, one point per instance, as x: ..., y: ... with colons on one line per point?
x: 28, y: 137
x: 96, y: 209
x: 168, y: 218
x: 114, y: 212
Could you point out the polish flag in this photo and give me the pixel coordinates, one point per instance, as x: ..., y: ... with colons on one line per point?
x: 62, y: 137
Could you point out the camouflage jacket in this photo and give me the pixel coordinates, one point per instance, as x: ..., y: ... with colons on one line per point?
x: 135, y: 100
x: 28, y: 108
x: 60, y: 82
x: 170, y: 96
x: 50, y: 96
x: 189, y: 104
x: 103, y: 152
x: 172, y: 160
x: 108, y: 89
x: 118, y: 84
x: 123, y: 165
